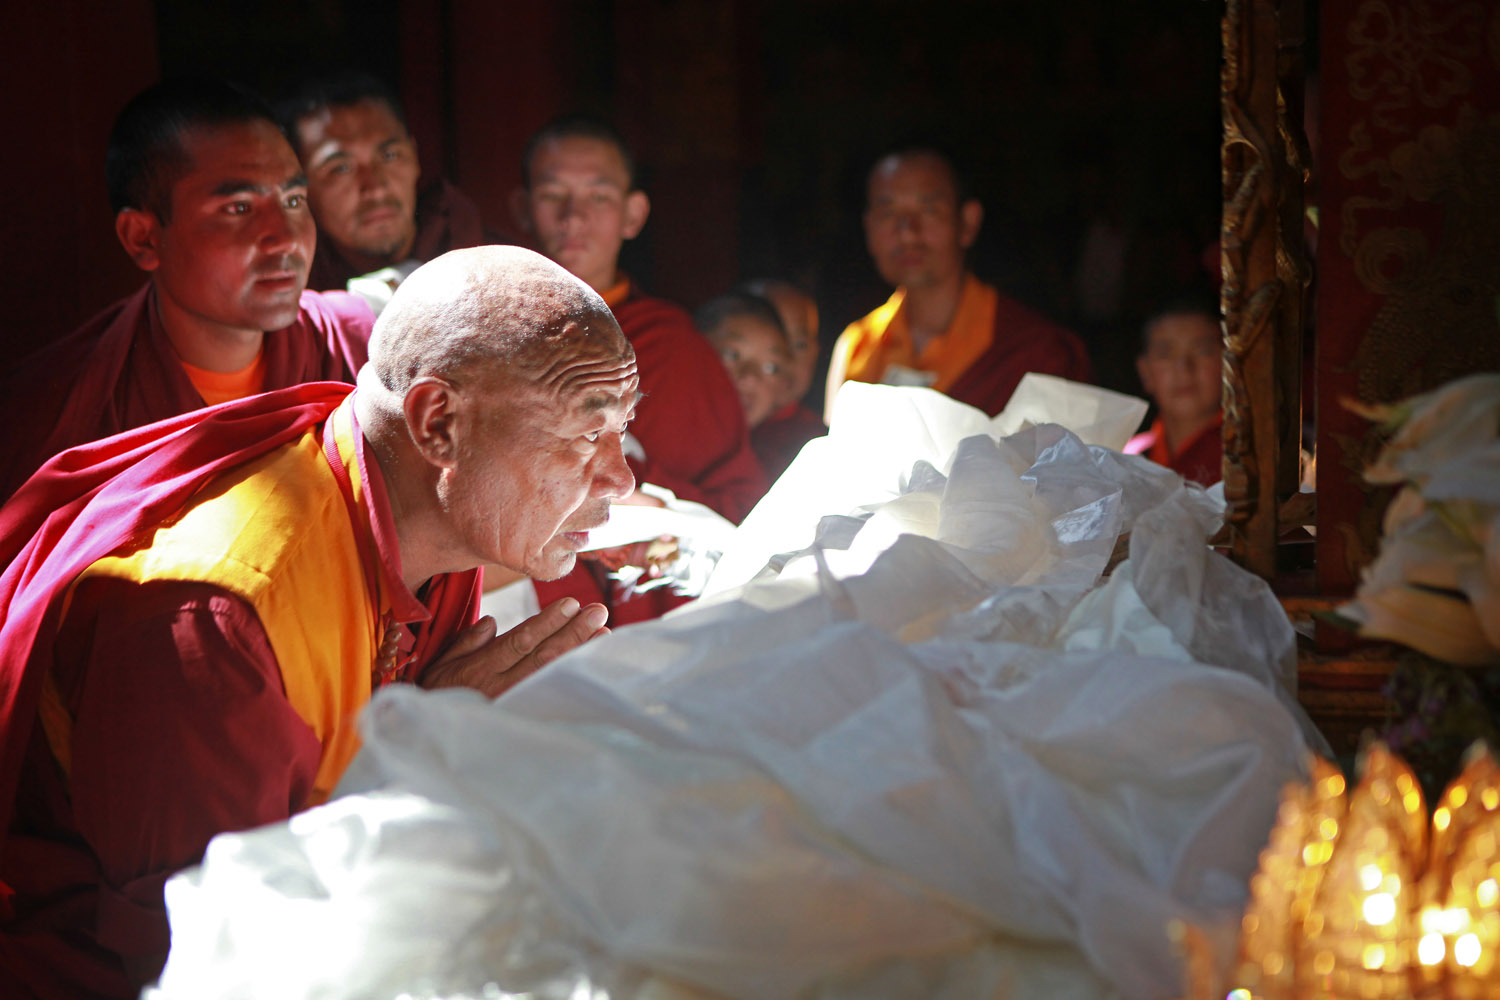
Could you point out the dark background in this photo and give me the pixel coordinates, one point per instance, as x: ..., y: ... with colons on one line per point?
x: 754, y: 124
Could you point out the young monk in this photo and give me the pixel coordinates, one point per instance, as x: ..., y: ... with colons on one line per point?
x: 1180, y: 366
x: 747, y: 333
x: 751, y: 335
x: 362, y: 182
x: 211, y: 204
x: 580, y: 203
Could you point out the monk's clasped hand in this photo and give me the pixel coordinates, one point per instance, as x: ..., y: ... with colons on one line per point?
x: 493, y: 664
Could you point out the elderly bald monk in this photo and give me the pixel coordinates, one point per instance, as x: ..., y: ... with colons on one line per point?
x: 942, y: 327
x: 211, y: 203
x: 197, y: 610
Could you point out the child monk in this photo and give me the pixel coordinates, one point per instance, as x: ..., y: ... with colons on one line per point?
x: 1180, y: 366
x: 746, y: 330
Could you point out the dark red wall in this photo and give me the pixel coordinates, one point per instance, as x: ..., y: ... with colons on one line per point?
x: 67, y: 69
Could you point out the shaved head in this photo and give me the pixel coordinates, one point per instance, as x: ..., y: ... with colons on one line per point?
x: 496, y: 399
x: 485, y: 310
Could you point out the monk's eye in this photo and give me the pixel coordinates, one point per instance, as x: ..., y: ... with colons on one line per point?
x: 295, y: 200
x: 591, y: 437
x: 237, y: 208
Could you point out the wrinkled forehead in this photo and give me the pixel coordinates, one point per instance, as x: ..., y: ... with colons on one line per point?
x: 581, y: 361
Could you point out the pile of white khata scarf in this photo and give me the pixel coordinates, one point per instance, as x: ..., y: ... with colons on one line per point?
x: 1435, y: 586
x: 915, y: 742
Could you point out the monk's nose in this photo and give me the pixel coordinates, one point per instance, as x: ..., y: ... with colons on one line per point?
x: 373, y: 176
x: 612, y: 478
x: 280, y: 232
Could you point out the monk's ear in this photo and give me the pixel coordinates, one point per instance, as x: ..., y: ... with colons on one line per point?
x: 637, y: 208
x: 520, y: 210
x: 140, y: 234
x: 430, y: 407
x: 970, y: 215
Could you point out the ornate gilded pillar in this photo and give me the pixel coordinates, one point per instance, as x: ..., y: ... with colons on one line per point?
x: 1264, y: 269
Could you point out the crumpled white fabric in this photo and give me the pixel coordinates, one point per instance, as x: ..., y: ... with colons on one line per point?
x: 927, y: 751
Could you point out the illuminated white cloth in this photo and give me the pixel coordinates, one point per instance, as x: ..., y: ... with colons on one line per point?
x: 942, y: 761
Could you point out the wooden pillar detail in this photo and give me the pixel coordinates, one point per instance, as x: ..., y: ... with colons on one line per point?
x: 1264, y: 273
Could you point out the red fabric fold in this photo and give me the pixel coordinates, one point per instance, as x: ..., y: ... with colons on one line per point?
x: 120, y: 371
x: 87, y: 502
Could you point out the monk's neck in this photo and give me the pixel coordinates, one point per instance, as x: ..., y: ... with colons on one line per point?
x: 930, y: 309
x: 603, y: 281
x: 363, y: 263
x: 405, y: 479
x: 202, y: 343
x: 1180, y: 431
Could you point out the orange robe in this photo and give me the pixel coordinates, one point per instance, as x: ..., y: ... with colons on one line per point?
x: 991, y: 342
x: 168, y: 672
x: 1200, y: 459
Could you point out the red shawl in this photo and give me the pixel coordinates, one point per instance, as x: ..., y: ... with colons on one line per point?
x: 1024, y: 341
x: 120, y: 371
x: 89, y: 501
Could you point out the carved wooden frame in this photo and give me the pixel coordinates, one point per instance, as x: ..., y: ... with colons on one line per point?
x: 1265, y: 270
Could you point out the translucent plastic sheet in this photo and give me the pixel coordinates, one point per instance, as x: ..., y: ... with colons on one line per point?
x: 938, y: 753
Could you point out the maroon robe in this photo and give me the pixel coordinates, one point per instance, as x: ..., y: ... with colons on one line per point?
x: 692, y: 429
x: 777, y: 439
x: 447, y: 219
x: 1024, y: 341
x: 119, y: 371
x: 1201, y: 459
x: 182, y: 730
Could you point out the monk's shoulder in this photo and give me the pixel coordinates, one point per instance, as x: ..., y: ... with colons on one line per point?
x: 648, y: 316
x: 336, y: 325
x: 333, y: 310
x: 1017, y: 320
x: 662, y: 332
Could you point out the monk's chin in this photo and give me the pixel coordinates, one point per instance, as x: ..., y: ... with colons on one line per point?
x: 279, y: 316
x: 558, y: 570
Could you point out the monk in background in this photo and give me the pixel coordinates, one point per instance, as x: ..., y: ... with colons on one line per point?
x: 197, y: 610
x: 1182, y: 369
x: 943, y: 327
x: 777, y: 439
x: 580, y: 202
x: 362, y: 172
x: 211, y: 203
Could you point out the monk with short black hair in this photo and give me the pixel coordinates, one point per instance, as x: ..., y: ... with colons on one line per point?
x: 1181, y: 367
x: 580, y: 203
x: 942, y: 328
x: 363, y: 173
x: 211, y: 202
